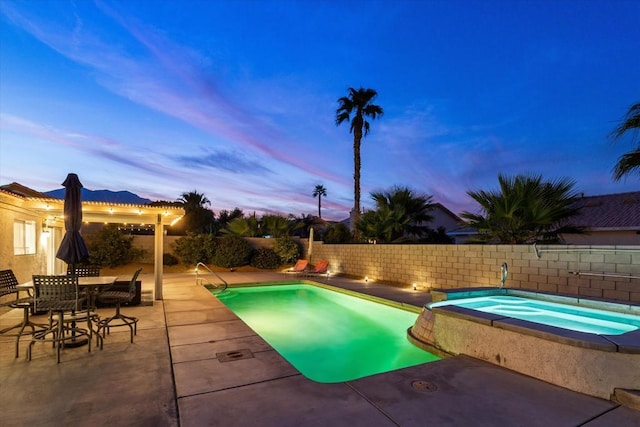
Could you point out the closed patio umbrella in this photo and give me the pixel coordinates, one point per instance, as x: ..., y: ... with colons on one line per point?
x: 72, y: 250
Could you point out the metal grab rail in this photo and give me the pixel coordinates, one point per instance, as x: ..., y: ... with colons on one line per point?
x: 199, y: 281
x: 604, y: 274
x: 586, y: 250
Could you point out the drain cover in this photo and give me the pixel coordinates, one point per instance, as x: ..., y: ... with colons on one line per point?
x: 424, y: 386
x: 230, y: 356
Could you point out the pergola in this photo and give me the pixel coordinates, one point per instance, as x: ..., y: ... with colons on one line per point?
x: 52, y: 210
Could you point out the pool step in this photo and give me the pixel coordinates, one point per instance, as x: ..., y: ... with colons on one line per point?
x: 626, y: 397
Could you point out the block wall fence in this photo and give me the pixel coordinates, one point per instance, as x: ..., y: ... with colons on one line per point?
x: 456, y: 266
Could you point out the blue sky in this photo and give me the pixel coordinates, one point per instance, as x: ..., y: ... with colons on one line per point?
x: 237, y: 99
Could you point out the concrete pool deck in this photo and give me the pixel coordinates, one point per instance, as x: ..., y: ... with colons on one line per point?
x: 174, y: 375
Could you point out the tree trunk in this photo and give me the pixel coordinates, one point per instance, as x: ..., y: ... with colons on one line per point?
x: 319, y: 204
x: 357, y: 136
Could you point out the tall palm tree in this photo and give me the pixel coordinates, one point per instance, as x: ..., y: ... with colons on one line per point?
x: 318, y: 192
x: 525, y: 209
x: 358, y: 103
x: 629, y: 162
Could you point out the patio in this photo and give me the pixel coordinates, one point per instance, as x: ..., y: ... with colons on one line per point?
x: 171, y: 376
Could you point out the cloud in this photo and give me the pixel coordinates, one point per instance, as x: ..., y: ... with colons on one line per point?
x: 98, y: 146
x: 224, y: 160
x: 169, y: 78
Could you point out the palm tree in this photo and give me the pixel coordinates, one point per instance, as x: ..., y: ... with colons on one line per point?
x: 400, y: 215
x: 193, y: 200
x: 525, y: 210
x: 630, y: 161
x: 198, y: 218
x: 318, y: 192
x: 243, y: 226
x: 359, y: 103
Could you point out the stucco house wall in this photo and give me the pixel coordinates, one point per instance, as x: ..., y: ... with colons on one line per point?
x: 23, y: 266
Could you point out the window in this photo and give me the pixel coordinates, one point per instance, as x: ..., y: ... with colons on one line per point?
x: 24, y: 237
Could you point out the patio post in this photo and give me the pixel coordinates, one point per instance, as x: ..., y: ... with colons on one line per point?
x: 159, y: 234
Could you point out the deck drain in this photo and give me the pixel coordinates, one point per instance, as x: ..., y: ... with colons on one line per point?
x: 423, y: 386
x: 230, y: 356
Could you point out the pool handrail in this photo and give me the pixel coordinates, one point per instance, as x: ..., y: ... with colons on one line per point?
x: 199, y: 281
x: 504, y: 269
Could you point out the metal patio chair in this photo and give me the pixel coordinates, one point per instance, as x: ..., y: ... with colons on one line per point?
x: 10, y: 293
x: 59, y: 296
x: 118, y: 298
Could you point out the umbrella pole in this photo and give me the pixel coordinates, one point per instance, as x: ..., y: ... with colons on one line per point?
x: 74, y: 342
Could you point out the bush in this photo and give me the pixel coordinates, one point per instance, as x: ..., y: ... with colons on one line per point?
x: 169, y: 259
x: 338, y: 233
x: 108, y: 247
x: 232, y: 251
x: 195, y: 248
x: 287, y: 249
x: 265, y: 258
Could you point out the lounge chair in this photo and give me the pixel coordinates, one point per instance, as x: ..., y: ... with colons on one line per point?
x: 320, y: 269
x: 300, y: 267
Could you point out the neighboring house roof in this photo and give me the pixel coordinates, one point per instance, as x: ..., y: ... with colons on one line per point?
x: 463, y: 231
x: 607, y: 212
x: 619, y: 211
x: 21, y: 190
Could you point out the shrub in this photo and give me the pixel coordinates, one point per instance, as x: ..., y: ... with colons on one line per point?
x: 169, y: 259
x: 195, y: 248
x: 232, y: 251
x: 287, y: 249
x: 338, y: 233
x: 108, y: 247
x: 265, y: 258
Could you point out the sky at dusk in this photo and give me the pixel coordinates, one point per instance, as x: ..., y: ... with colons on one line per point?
x: 237, y: 99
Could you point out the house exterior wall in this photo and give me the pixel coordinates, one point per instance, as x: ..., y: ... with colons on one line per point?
x: 456, y: 266
x: 442, y: 219
x: 23, y: 266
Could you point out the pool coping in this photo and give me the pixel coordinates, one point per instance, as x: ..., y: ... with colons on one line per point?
x: 624, y: 343
x: 403, y: 306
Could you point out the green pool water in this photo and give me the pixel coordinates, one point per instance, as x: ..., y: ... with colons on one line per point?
x: 328, y: 336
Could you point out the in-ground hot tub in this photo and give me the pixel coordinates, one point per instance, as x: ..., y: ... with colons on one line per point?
x: 582, y: 344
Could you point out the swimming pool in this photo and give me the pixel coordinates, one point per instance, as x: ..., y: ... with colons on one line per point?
x: 328, y: 336
x: 581, y: 319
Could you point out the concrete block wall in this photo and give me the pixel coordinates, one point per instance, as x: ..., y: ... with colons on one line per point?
x: 455, y: 266
x: 147, y: 243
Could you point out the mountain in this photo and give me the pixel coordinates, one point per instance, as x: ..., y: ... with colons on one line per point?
x: 125, y: 197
